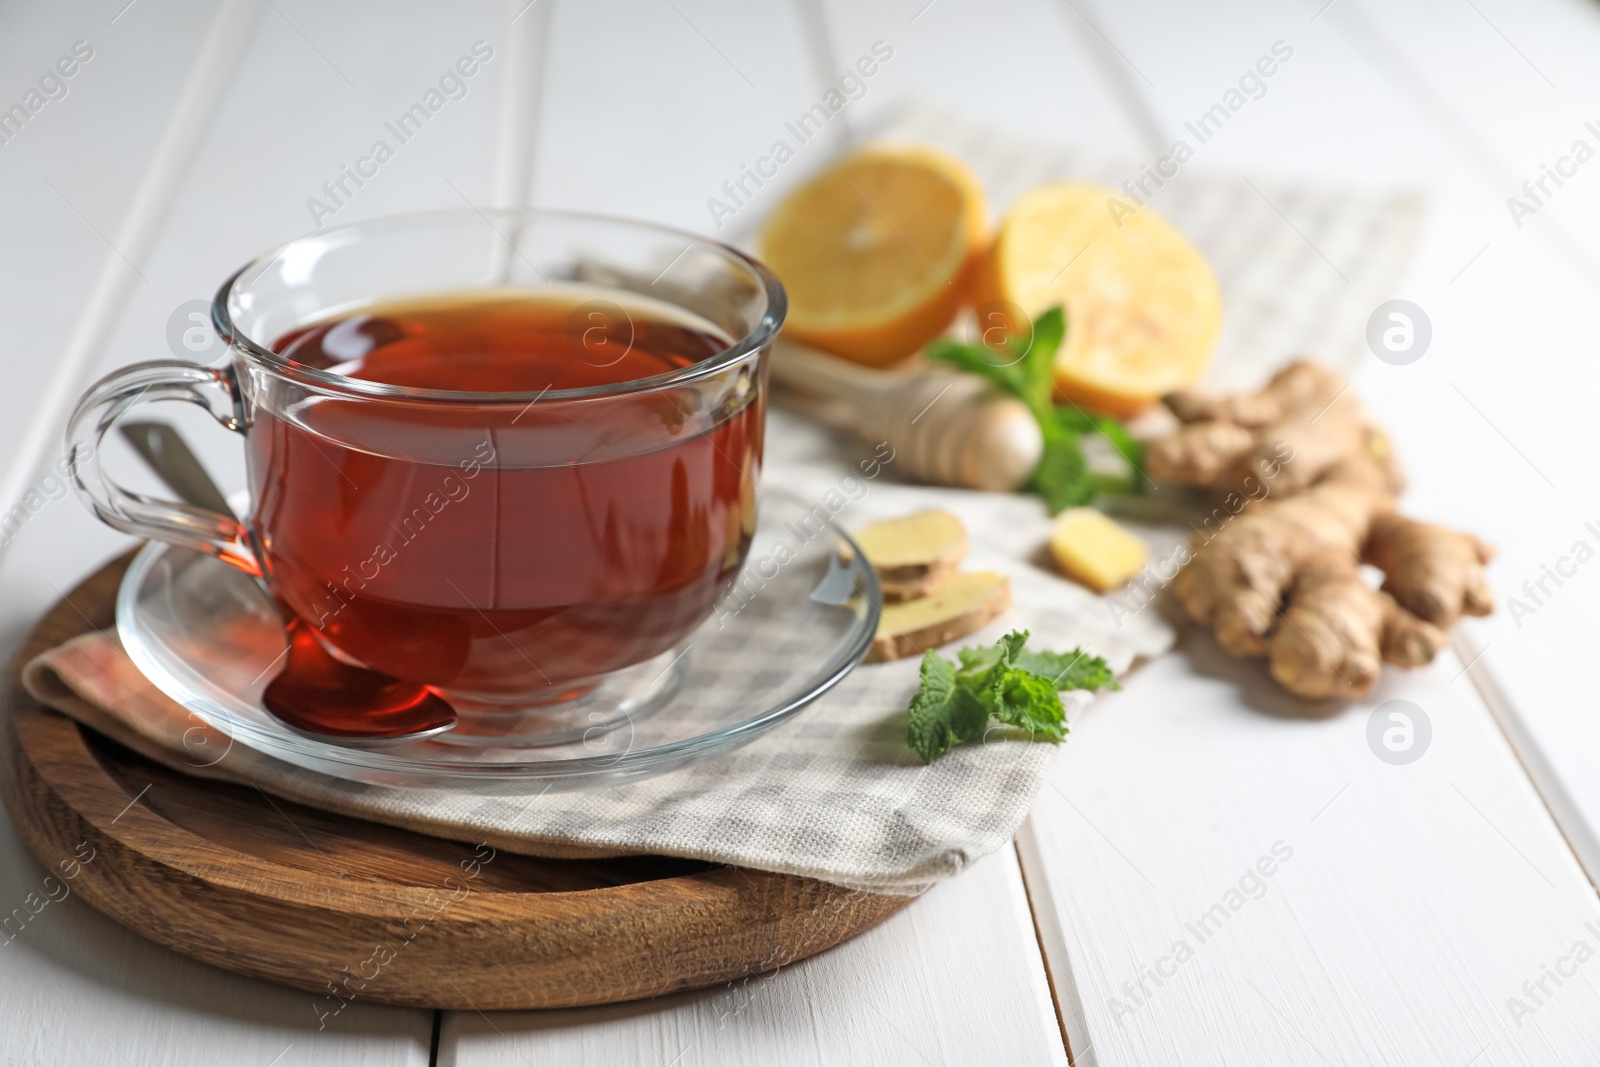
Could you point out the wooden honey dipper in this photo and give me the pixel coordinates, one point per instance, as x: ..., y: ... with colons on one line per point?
x: 946, y: 427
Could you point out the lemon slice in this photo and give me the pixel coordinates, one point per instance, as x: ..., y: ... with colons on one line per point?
x: 1143, y: 307
x: 878, y: 251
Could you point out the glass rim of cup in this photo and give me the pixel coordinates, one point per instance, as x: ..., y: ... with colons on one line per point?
x: 753, y: 341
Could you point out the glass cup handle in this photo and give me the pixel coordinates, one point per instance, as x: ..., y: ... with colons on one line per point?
x: 215, y: 390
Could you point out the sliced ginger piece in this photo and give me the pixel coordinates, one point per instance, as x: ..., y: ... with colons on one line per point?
x: 915, y: 554
x: 965, y: 603
x: 1094, y: 551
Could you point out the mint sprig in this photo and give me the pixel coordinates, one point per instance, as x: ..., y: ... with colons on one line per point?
x: 1027, y: 372
x: 1005, y: 682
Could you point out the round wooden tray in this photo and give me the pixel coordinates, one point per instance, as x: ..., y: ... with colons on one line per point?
x: 353, y: 910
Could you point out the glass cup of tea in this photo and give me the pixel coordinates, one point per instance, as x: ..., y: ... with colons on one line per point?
x: 508, y: 455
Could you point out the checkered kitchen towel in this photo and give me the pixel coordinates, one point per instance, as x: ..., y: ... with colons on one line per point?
x: 834, y: 793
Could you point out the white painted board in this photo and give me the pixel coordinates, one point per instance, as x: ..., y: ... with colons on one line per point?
x: 954, y: 978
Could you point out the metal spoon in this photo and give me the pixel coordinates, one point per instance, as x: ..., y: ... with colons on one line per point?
x: 374, y: 708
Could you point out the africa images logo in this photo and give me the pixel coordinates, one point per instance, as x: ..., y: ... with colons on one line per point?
x: 452, y: 85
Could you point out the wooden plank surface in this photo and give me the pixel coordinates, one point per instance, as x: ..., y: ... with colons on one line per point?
x: 1228, y: 883
x: 1338, y: 975
x: 1531, y: 374
x: 65, y: 214
x: 955, y: 978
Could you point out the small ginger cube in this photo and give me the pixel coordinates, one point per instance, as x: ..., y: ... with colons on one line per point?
x: 1094, y: 551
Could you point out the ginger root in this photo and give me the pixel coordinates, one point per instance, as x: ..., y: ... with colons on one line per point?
x: 1337, y: 631
x: 1305, y: 412
x: 1311, y: 485
x: 1237, y: 578
x: 1436, y: 572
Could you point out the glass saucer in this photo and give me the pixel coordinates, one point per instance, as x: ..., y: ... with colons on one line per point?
x: 798, y: 619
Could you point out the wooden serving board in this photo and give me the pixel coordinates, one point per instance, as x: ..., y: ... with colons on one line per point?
x: 350, y: 910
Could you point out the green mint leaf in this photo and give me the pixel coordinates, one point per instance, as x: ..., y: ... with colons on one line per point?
x: 1004, y: 681
x: 1000, y: 369
x: 942, y: 713
x: 1073, y: 419
x: 1069, y: 670
x: 1010, y: 646
x: 1038, y: 361
x: 1130, y: 448
x: 1049, y: 330
x: 1069, y: 482
x: 1062, y: 477
x: 978, y: 663
x: 978, y: 657
x: 1023, y: 699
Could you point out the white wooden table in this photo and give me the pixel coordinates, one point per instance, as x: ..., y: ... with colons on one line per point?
x: 1408, y: 905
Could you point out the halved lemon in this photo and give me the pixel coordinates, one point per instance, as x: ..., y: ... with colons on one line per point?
x: 1143, y: 307
x: 877, y: 252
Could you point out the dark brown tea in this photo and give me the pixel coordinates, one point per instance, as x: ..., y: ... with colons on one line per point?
x: 497, y: 551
